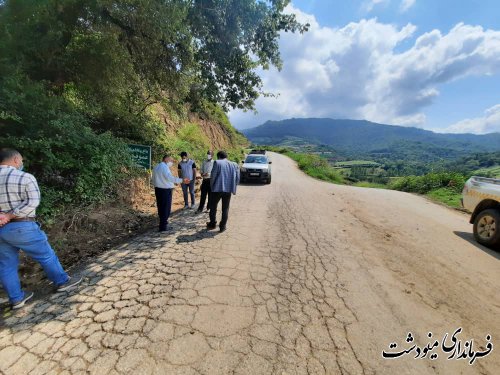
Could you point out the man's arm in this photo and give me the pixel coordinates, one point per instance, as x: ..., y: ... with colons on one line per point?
x: 171, y: 177
x: 194, y: 170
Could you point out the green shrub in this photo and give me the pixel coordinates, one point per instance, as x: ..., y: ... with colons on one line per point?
x: 316, y: 167
x: 431, y: 181
x: 189, y: 138
x: 447, y: 196
x: 73, y: 164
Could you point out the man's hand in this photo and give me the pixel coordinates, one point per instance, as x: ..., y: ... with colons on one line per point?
x: 186, y: 181
x: 4, y: 219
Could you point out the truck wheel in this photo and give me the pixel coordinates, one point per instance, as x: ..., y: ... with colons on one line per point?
x: 268, y: 181
x: 487, y: 227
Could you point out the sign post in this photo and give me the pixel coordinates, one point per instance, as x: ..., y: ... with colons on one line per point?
x: 141, y: 155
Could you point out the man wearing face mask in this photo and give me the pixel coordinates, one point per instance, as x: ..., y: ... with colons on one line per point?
x: 19, y: 198
x: 206, y: 170
x: 163, y: 181
x: 187, y: 170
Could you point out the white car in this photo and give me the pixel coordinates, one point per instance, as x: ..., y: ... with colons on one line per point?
x: 481, y: 196
x: 256, y: 167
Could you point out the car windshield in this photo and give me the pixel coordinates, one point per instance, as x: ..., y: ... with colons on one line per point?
x: 256, y: 159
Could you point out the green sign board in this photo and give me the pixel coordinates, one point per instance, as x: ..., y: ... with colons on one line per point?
x: 141, y: 155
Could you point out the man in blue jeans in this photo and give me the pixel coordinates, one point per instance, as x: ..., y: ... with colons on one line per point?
x: 187, y: 171
x: 19, y: 198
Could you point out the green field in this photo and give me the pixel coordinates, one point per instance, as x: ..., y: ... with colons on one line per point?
x: 447, y: 196
x: 493, y: 172
x: 356, y: 163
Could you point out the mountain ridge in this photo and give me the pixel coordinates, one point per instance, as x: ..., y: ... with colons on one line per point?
x: 362, y: 136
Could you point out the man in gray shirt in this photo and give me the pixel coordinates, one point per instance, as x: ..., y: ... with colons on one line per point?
x: 187, y: 171
x: 206, y: 170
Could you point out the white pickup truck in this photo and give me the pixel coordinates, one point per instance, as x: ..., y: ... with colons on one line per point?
x: 481, y: 196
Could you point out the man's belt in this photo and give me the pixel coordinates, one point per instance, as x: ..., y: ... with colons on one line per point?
x: 17, y: 219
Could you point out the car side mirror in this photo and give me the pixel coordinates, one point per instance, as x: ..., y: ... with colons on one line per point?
x: 270, y: 162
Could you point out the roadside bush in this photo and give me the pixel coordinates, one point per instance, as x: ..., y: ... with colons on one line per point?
x: 189, y: 138
x: 316, y: 167
x: 73, y: 164
x: 431, y: 181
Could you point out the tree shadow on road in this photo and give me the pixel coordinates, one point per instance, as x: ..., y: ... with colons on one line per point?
x: 65, y: 307
x: 469, y: 237
x: 46, y: 307
x: 201, y: 235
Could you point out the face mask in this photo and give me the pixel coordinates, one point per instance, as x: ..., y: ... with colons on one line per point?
x: 21, y: 167
x: 170, y: 163
x: 184, y: 159
x: 209, y: 157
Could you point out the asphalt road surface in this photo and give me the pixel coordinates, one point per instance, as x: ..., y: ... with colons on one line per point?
x: 309, y: 278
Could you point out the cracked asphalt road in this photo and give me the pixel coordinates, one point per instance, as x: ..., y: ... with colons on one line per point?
x: 309, y: 278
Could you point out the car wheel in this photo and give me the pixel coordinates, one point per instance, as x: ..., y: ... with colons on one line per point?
x: 487, y: 227
x: 268, y: 181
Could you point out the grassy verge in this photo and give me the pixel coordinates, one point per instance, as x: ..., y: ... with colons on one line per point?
x: 370, y: 185
x: 316, y: 167
x: 447, y: 196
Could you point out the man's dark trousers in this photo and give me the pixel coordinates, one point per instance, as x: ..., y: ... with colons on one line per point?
x: 214, y: 201
x: 205, y: 190
x: 164, y: 204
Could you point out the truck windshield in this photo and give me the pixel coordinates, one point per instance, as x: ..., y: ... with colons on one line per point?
x: 256, y: 159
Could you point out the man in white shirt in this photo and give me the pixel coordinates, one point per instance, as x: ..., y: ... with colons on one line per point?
x: 163, y: 181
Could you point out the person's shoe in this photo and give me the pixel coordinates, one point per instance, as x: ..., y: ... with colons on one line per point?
x: 186, y: 207
x: 21, y: 303
x: 71, y: 283
x: 192, y: 206
x: 211, y: 226
x: 222, y: 229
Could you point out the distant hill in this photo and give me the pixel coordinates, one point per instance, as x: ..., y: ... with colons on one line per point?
x: 358, y: 138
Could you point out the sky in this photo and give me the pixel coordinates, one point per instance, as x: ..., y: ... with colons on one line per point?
x: 432, y: 64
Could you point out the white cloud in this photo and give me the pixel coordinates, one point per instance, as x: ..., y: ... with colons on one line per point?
x: 406, y: 5
x: 489, y: 123
x: 360, y: 71
x: 368, y: 5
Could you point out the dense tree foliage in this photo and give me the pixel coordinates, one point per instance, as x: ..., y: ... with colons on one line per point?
x: 121, y: 56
